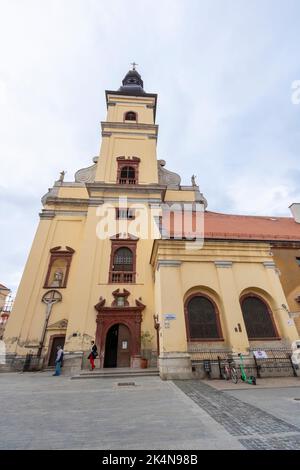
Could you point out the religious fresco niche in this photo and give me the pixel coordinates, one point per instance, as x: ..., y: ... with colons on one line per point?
x: 58, y: 273
x: 59, y: 267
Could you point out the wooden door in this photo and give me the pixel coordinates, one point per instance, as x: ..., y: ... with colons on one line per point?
x: 124, y: 349
x: 111, y: 347
x: 56, y: 341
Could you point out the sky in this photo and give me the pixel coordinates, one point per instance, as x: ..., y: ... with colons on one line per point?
x: 223, y: 71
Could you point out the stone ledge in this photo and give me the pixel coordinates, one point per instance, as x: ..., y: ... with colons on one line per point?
x: 175, y: 366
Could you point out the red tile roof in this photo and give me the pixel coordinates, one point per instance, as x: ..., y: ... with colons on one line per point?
x: 246, y: 227
x: 250, y: 227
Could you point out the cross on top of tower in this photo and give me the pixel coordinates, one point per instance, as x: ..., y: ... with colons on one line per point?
x: 133, y: 65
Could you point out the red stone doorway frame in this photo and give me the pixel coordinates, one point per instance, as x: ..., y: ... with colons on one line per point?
x: 109, y: 316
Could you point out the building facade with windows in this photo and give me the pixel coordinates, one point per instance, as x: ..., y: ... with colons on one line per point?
x: 125, y: 252
x: 5, y: 307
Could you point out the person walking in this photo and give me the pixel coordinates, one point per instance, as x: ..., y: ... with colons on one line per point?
x: 93, y: 354
x: 58, y: 360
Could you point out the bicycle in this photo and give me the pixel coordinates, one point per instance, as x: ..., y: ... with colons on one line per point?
x: 230, y: 372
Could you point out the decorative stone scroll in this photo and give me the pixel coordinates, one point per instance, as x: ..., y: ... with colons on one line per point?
x: 86, y: 175
x: 166, y: 177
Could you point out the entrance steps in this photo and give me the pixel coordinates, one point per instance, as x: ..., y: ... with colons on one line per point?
x: 117, y: 373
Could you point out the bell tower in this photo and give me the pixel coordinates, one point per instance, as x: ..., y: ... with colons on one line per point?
x: 129, y: 135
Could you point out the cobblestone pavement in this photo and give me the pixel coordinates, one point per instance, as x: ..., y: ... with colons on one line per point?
x: 254, y: 427
x: 44, y: 412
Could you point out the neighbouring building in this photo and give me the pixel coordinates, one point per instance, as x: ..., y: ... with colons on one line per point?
x: 5, y: 308
x: 287, y: 259
x: 95, y: 273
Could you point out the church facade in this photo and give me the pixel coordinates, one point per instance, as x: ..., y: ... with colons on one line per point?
x: 127, y: 256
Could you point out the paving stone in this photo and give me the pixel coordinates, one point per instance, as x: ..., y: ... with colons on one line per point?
x: 43, y: 412
x: 273, y: 443
x: 237, y: 417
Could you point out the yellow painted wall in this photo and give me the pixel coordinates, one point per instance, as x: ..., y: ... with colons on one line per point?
x: 128, y: 139
x: 25, y: 324
x: 201, y: 271
x: 289, y: 269
x: 122, y: 104
x: 179, y: 196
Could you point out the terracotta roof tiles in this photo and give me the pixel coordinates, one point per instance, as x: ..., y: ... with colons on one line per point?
x: 245, y: 227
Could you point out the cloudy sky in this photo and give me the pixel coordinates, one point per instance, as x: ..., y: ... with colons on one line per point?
x: 223, y: 70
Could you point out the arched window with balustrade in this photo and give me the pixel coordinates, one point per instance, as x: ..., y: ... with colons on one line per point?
x: 123, y: 260
x: 127, y: 175
x: 128, y: 170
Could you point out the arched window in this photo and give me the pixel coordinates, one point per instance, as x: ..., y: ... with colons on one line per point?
x: 258, y: 318
x: 123, y: 260
x: 130, y: 116
x: 122, y: 268
x: 127, y: 175
x: 202, y: 319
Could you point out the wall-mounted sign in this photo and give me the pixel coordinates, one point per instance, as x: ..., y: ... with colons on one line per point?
x: 260, y: 354
x: 124, y: 344
x: 170, y: 316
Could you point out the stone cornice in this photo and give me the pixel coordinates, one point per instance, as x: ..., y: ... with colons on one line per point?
x: 47, y: 214
x: 50, y: 214
x: 168, y: 263
x: 69, y: 184
x: 223, y: 264
x: 128, y: 189
x: 140, y: 134
x: 238, y: 252
x: 108, y: 128
x: 105, y: 125
x: 269, y: 264
x: 286, y: 244
x: 67, y: 201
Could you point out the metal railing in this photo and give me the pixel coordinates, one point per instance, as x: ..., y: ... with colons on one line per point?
x: 122, y: 277
x: 127, y: 181
x: 277, y: 361
x: 199, y: 355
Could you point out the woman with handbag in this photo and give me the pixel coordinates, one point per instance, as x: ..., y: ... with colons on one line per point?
x: 93, y: 354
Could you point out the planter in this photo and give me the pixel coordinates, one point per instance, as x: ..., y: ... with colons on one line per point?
x: 144, y: 363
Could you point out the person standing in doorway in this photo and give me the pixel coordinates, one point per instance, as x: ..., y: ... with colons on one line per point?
x: 93, y: 354
x: 58, y: 360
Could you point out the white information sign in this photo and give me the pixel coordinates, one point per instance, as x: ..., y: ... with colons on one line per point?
x: 260, y: 354
x: 170, y: 316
